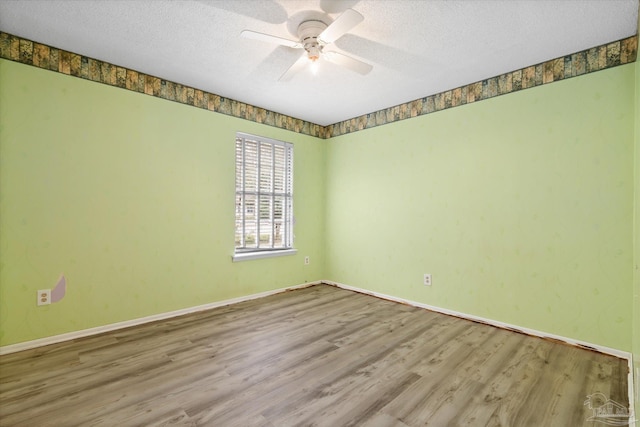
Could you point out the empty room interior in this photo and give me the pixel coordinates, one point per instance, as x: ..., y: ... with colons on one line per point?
x: 317, y: 212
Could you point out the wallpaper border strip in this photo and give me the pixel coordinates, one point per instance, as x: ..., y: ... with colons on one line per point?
x: 587, y: 61
x: 50, y: 58
x: 39, y: 55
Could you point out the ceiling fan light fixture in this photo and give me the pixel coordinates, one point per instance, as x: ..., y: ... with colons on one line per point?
x: 313, y: 52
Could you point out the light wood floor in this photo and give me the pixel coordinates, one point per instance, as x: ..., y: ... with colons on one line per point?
x: 317, y: 356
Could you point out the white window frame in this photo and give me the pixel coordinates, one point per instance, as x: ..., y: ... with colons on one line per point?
x: 278, y: 234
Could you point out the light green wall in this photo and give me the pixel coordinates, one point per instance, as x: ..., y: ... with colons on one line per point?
x: 521, y: 207
x: 131, y: 197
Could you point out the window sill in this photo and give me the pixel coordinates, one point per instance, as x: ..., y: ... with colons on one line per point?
x: 247, y: 256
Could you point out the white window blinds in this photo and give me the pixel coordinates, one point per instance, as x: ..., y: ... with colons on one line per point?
x: 264, y: 194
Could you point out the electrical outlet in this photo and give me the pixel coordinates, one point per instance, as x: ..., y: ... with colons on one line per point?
x: 427, y: 279
x: 44, y: 296
x: 306, y: 260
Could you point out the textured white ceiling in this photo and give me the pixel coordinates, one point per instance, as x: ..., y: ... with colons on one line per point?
x: 417, y: 48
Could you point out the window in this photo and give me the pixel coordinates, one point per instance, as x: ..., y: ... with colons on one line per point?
x: 264, y: 197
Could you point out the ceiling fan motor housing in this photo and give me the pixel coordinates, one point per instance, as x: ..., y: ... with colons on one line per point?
x: 308, y: 31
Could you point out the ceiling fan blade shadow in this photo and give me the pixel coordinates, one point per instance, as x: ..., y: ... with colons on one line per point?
x: 343, y: 23
x: 297, y: 66
x: 409, y: 64
x: 266, y: 10
x: 337, y: 6
x: 349, y: 62
x: 270, y: 68
x: 254, y: 35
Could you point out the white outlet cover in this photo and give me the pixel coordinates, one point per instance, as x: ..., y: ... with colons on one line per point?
x: 427, y: 279
x: 44, y: 297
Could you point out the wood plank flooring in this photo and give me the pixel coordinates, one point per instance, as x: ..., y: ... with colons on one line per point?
x: 320, y: 356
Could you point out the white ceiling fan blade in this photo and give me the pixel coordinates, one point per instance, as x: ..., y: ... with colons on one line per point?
x: 343, y: 23
x: 348, y: 62
x: 302, y: 62
x: 270, y: 39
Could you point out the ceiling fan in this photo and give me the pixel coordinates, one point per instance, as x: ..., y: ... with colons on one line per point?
x: 314, y: 36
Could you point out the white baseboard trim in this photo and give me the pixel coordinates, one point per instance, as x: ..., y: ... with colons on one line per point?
x: 582, y: 344
x: 595, y: 347
x: 27, y: 345
x: 589, y: 346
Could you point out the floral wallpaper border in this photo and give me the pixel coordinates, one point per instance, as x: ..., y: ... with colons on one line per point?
x: 50, y: 58
x: 587, y: 61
